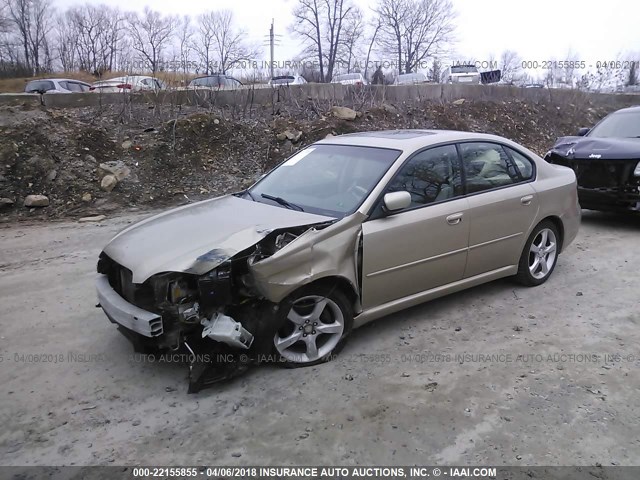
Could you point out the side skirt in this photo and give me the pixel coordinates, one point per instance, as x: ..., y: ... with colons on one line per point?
x: 417, y: 298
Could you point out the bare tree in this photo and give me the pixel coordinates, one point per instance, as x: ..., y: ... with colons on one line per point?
x: 219, y: 44
x: 415, y: 30
x: 629, y: 63
x: 350, y: 47
x: 307, y: 14
x: 230, y: 46
x: 374, y: 35
x: 320, y: 24
x: 65, y: 41
x: 89, y: 35
x: 5, y: 23
x: 32, y: 20
x: 434, y: 73
x: 510, y: 66
x: 185, y: 30
x: 553, y: 75
x: 150, y: 33
x: 632, y: 77
x: 204, y: 42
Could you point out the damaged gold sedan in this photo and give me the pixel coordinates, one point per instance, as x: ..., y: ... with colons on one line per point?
x: 348, y: 230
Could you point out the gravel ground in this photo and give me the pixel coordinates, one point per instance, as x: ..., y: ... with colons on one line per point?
x: 550, y: 375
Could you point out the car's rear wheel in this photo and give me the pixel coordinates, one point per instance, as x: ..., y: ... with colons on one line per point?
x: 316, y: 323
x: 540, y: 255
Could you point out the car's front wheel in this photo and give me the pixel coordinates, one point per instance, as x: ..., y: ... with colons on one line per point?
x: 316, y: 323
x: 540, y: 255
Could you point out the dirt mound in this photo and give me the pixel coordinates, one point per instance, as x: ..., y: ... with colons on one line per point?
x: 160, y: 157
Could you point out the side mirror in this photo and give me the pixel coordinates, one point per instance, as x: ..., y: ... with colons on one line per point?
x: 583, y: 131
x: 394, y: 201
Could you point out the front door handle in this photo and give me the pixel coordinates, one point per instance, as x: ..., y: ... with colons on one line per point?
x: 526, y: 200
x: 454, y: 219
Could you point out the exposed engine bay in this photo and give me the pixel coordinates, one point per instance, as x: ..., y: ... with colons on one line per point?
x: 221, y: 319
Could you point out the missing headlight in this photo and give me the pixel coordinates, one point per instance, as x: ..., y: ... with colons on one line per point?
x: 214, y: 288
x: 179, y: 292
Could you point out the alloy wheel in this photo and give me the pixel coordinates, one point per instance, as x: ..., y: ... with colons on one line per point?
x: 313, y: 328
x: 543, y: 253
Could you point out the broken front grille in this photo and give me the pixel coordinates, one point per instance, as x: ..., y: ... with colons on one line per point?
x: 599, y: 173
x: 121, y: 280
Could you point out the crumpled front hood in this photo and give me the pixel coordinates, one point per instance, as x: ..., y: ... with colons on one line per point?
x: 598, y: 148
x: 198, y: 237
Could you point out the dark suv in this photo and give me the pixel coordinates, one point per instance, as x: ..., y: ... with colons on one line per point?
x: 606, y: 159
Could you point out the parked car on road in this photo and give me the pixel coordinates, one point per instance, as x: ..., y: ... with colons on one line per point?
x: 410, y: 78
x: 56, y: 85
x: 287, y: 80
x: 350, y: 79
x: 131, y: 83
x: 348, y: 230
x: 462, y: 74
x: 218, y: 81
x: 606, y: 160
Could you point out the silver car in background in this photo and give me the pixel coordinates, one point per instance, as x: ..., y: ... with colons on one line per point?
x: 410, y: 79
x: 347, y: 230
x: 468, y: 74
x: 215, y: 82
x: 350, y: 79
x: 130, y: 83
x: 287, y: 80
x: 56, y: 85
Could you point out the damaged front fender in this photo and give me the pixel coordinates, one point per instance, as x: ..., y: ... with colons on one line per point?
x: 315, y: 254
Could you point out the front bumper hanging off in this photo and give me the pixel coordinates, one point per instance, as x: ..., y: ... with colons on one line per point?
x: 223, y: 349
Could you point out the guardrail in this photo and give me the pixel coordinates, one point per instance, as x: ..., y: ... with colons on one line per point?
x: 335, y: 93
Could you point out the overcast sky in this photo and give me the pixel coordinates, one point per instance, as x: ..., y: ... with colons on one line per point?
x: 538, y: 30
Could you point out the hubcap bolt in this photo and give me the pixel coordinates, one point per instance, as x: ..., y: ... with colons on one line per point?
x: 314, y: 332
x: 304, y: 334
x: 315, y: 323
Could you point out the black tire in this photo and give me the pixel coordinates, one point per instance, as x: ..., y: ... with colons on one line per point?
x: 302, y: 301
x: 527, y: 258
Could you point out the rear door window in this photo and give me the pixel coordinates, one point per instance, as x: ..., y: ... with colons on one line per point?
x: 524, y: 165
x: 488, y: 166
x: 74, y: 87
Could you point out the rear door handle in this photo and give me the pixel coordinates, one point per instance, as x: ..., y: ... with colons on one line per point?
x: 454, y: 219
x: 526, y: 200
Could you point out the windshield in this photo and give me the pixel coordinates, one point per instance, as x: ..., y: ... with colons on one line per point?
x: 619, y: 124
x: 330, y: 180
x: 464, y: 69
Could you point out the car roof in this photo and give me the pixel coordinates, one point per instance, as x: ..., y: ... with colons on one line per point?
x: 635, y: 108
x: 409, y: 139
x: 55, y: 80
x: 126, y: 77
x: 212, y: 75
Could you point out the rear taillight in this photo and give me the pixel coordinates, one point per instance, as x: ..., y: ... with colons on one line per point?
x: 124, y: 85
x: 359, y: 83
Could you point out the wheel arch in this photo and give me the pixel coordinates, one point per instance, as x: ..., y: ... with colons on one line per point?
x: 341, y: 283
x: 557, y: 222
